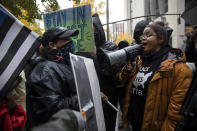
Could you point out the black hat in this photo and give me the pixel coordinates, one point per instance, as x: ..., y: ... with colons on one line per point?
x: 53, y: 34
x: 138, y: 31
x: 123, y: 44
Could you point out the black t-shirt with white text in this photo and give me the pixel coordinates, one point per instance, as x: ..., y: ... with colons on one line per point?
x: 140, y: 87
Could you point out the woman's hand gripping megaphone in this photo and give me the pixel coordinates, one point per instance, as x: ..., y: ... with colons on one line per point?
x: 130, y: 67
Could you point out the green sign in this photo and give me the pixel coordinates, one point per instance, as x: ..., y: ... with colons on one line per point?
x: 74, y: 18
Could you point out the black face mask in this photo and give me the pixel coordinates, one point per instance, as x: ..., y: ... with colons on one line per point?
x: 62, y: 53
x: 65, y: 50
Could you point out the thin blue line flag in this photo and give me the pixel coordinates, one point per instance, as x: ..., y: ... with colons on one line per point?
x: 17, y: 45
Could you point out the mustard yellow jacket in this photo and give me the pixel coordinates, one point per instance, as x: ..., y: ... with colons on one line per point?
x: 166, y: 92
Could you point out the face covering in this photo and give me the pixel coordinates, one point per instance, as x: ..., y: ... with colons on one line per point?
x: 65, y: 50
x: 62, y: 53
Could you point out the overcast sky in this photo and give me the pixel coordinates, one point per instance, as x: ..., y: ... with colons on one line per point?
x: 115, y: 7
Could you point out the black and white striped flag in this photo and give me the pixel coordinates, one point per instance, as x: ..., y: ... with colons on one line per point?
x: 17, y: 45
x: 88, y: 91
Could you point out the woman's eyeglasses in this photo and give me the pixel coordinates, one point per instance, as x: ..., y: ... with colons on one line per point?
x: 146, y: 36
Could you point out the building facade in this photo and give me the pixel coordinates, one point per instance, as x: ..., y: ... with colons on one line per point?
x: 153, y: 9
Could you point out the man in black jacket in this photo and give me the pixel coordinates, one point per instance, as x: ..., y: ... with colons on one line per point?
x: 50, y: 86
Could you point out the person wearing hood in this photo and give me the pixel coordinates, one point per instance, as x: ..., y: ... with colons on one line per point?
x: 105, y: 75
x: 138, y: 31
x: 158, y: 83
x: 99, y: 35
x: 50, y: 86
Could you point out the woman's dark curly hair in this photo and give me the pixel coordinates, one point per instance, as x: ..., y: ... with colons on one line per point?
x: 160, y: 31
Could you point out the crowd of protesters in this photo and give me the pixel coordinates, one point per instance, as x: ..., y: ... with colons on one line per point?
x: 156, y: 90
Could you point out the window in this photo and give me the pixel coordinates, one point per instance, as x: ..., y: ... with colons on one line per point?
x: 166, y: 6
x: 155, y: 7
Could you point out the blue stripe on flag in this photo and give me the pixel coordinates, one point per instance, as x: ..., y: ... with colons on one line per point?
x: 2, y: 16
x: 6, y: 12
x: 4, y: 28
